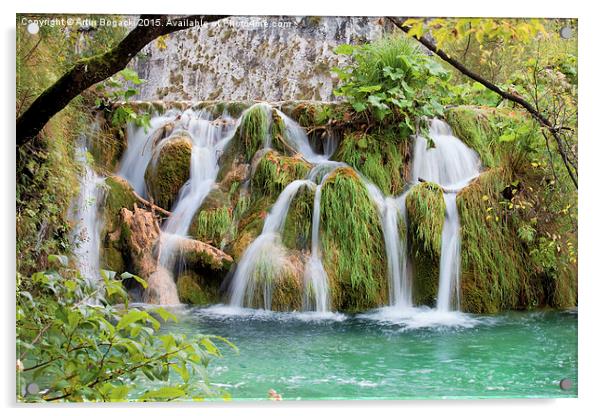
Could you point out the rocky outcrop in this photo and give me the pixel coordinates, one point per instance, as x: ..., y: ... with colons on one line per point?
x: 232, y: 59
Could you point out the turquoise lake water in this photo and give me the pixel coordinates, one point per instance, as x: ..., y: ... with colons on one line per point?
x: 386, y: 354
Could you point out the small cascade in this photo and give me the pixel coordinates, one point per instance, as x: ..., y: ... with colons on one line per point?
x: 298, y: 139
x: 448, y: 295
x: 452, y: 165
x: 392, y: 211
x: 267, y: 250
x: 86, y: 213
x: 265, y: 256
x: 139, y: 151
x: 207, y: 141
x: 316, y: 296
x: 400, y: 283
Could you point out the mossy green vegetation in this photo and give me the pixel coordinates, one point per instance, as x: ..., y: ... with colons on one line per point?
x: 273, y: 172
x: 118, y: 194
x: 254, y: 129
x: 495, y: 272
x: 382, y: 158
x: 47, y: 180
x: 169, y: 170
x: 353, y: 250
x: 298, y: 225
x: 426, y: 215
x: 518, y: 223
x: 193, y: 290
x: 212, y: 225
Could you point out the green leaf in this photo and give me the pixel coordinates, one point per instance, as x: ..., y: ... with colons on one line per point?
x: 370, y: 88
x: 359, y: 106
x: 130, y: 75
x: 127, y: 275
x: 507, y: 137
x: 164, y: 393
x: 362, y: 143
x: 132, y: 316
x: 119, y: 393
x: 165, y: 315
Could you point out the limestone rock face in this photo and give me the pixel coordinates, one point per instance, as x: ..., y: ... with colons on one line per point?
x: 252, y: 58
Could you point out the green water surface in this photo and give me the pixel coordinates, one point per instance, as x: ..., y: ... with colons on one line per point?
x: 388, y: 355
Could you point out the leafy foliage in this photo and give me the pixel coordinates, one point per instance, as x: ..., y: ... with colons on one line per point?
x: 120, y: 88
x: 394, y: 81
x: 76, y: 343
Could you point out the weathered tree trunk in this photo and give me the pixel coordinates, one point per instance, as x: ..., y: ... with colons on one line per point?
x: 90, y: 71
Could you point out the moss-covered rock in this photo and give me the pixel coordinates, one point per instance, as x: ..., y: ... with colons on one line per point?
x: 426, y: 215
x: 353, y: 250
x: 381, y: 159
x: 495, y: 275
x: 298, y: 224
x: 193, y: 290
x: 212, y: 225
x: 273, y: 172
x: 119, y: 194
x: 277, y: 280
x: 169, y: 170
x: 249, y: 226
x: 254, y: 130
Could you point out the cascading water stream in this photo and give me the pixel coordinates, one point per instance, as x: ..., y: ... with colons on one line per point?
x: 448, y: 295
x: 265, y: 254
x: 452, y: 165
x: 207, y: 141
x: 139, y: 151
x: 86, y: 213
x: 267, y: 246
x: 316, y: 296
x: 391, y: 211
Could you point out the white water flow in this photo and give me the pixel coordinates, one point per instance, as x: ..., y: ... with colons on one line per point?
x: 392, y: 211
x: 298, y: 139
x: 86, y: 213
x: 208, y: 139
x: 316, y: 296
x: 139, y: 151
x: 265, y: 256
x: 452, y: 165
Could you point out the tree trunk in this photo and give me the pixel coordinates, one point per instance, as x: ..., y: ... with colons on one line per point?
x: 90, y: 71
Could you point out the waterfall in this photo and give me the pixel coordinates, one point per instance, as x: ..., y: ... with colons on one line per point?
x: 265, y: 254
x: 139, y: 151
x: 207, y: 141
x: 400, y: 282
x: 448, y: 295
x: 316, y: 296
x: 297, y: 137
x: 86, y: 213
x: 392, y: 211
x: 452, y: 165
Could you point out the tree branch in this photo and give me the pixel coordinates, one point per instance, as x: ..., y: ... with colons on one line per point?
x: 87, y: 72
x: 540, y: 118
